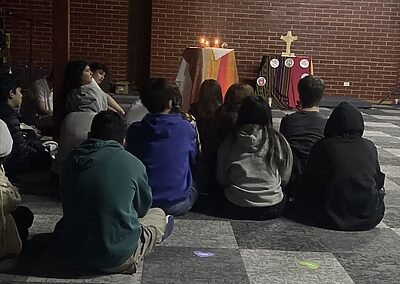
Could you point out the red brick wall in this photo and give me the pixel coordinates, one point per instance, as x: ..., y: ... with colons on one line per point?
x: 99, y: 32
x: 18, y: 26
x: 356, y: 41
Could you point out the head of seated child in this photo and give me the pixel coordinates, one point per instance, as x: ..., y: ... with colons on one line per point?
x: 99, y: 71
x: 156, y: 95
x: 311, y: 89
x: 10, y: 90
x: 108, y: 125
x: 254, y: 110
x: 235, y: 95
x: 77, y: 73
x: 210, y: 98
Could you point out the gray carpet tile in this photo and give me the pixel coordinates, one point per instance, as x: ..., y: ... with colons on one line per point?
x: 387, y: 158
x: 376, y: 240
x: 180, y: 265
x: 392, y: 216
x: 392, y: 198
x: 201, y: 233
x: 275, y: 266
x: 369, y: 267
x: 44, y: 223
x: 395, y: 180
x: 391, y: 171
x: 42, y: 205
x: 276, y: 235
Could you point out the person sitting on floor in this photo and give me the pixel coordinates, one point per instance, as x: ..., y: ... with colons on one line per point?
x: 254, y: 164
x: 226, y: 115
x: 166, y: 144
x: 99, y: 71
x: 16, y: 220
x: 210, y: 99
x: 343, y: 181
x: 177, y: 103
x: 37, y: 105
x: 303, y: 128
x: 28, y: 153
x: 107, y: 224
x: 79, y: 84
x: 74, y: 130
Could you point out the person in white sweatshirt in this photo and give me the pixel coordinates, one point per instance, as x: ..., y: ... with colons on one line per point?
x: 254, y: 163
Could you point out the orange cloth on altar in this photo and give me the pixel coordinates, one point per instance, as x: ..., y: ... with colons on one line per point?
x: 199, y: 64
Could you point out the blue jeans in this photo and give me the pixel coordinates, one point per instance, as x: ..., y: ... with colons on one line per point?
x: 182, y: 207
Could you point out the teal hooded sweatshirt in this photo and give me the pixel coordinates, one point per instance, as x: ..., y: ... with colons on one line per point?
x: 104, y: 192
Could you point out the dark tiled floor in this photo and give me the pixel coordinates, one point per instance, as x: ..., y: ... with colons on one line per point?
x: 246, y: 251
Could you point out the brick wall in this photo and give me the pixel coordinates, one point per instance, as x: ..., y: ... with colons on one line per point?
x: 99, y: 32
x: 356, y: 41
x: 18, y: 25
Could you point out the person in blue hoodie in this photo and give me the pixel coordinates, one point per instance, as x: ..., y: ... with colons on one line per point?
x: 166, y: 145
x: 107, y: 224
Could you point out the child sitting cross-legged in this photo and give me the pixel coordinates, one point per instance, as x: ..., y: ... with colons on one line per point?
x: 166, y: 145
x: 254, y: 164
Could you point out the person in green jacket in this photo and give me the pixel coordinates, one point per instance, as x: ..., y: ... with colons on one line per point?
x: 107, y: 224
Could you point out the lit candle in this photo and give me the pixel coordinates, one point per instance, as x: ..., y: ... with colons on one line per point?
x: 216, y: 43
x: 202, y: 41
x: 207, y: 43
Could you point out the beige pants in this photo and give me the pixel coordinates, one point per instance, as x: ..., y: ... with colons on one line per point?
x: 153, y: 227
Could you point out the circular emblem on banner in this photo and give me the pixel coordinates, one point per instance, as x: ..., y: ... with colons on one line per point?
x: 261, y: 81
x: 289, y: 62
x: 304, y: 63
x: 304, y: 75
x: 274, y: 63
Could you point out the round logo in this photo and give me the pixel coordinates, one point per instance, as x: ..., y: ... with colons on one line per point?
x: 261, y: 81
x: 289, y: 62
x: 304, y: 75
x: 304, y: 63
x: 274, y: 63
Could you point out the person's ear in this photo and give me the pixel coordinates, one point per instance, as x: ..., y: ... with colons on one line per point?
x: 170, y: 104
x: 11, y: 94
x: 124, y: 143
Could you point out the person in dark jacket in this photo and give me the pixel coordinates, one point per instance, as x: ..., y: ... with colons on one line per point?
x: 210, y: 99
x: 343, y: 181
x: 28, y: 153
x: 166, y: 145
x: 303, y: 128
x: 107, y: 224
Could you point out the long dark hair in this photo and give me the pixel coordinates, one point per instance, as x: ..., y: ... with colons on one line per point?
x: 235, y: 95
x: 210, y: 98
x: 73, y: 74
x: 255, y: 110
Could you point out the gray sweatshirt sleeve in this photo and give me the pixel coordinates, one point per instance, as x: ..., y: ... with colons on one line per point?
x: 222, y: 160
x: 285, y: 165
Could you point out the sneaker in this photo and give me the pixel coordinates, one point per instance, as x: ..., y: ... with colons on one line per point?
x: 169, y: 227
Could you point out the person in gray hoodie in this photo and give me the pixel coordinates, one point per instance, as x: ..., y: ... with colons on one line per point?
x: 254, y: 164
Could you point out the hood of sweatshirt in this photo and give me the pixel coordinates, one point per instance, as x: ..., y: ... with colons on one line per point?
x: 88, y: 153
x: 345, y: 121
x: 159, y: 125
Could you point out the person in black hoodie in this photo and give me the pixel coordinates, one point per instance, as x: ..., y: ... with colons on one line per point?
x: 28, y: 153
x: 343, y: 183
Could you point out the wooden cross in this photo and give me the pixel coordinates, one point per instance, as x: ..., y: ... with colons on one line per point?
x: 288, y: 38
